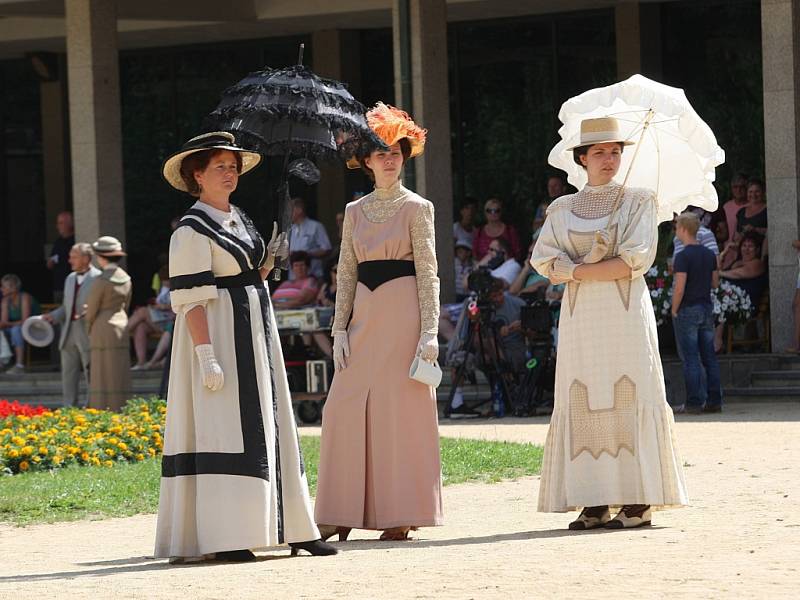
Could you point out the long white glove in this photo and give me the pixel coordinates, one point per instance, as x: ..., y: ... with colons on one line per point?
x: 277, y: 247
x: 428, y: 346
x: 211, y: 372
x: 599, y: 249
x: 563, y: 269
x: 341, y: 350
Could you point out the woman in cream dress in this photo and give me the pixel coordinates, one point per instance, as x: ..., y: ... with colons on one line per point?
x: 232, y: 476
x: 611, y: 439
x: 379, y: 456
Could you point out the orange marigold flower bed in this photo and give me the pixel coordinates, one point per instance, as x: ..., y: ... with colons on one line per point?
x: 53, y: 439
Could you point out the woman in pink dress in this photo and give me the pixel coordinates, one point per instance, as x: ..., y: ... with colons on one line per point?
x: 379, y: 459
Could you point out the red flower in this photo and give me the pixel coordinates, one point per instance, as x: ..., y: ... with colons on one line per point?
x: 14, y: 408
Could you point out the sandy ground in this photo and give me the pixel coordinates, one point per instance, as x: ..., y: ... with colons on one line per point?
x: 740, y: 538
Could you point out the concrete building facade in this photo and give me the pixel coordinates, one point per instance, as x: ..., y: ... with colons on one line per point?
x: 75, y: 46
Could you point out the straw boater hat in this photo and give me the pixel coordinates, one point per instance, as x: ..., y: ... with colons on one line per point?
x: 215, y: 140
x: 392, y: 125
x: 599, y: 131
x: 108, y: 246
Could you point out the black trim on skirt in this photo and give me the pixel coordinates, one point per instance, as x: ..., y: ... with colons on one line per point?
x: 374, y: 273
x: 254, y: 461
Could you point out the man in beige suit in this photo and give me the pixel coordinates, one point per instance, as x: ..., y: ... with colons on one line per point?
x: 74, y: 342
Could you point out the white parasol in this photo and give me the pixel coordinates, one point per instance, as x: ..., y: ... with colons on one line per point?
x: 675, y: 153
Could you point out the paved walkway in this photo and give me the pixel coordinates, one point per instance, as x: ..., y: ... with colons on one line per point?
x: 739, y: 539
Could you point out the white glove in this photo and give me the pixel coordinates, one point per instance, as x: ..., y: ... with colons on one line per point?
x: 599, y: 249
x: 563, y: 270
x: 277, y: 247
x: 341, y: 350
x: 428, y: 347
x: 210, y: 370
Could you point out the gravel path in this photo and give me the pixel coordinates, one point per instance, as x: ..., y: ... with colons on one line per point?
x: 738, y: 539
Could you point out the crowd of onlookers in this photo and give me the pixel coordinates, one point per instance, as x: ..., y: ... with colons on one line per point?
x: 485, y: 240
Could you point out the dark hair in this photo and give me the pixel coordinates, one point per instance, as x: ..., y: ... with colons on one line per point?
x: 405, y: 148
x: 756, y: 181
x: 468, y: 201
x: 504, y: 244
x: 198, y: 161
x: 300, y: 256
x: 756, y: 238
x: 559, y: 176
x: 497, y: 285
x: 583, y: 150
x: 330, y: 265
x: 739, y: 177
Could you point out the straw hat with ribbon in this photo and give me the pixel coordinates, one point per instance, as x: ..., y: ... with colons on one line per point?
x: 392, y: 125
x: 215, y: 140
x: 602, y: 130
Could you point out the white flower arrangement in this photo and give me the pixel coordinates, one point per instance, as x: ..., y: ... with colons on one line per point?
x: 730, y: 304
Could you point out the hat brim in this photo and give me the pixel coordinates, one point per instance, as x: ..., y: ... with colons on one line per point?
x: 172, y: 166
x: 594, y: 143
x: 38, y: 332
x: 112, y: 253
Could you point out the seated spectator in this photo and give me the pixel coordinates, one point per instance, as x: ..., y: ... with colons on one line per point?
x: 15, y: 308
x: 529, y: 281
x: 154, y: 318
x: 495, y: 228
x: 500, y: 259
x: 326, y: 297
x: 308, y: 235
x: 753, y: 216
x: 300, y: 291
x: 749, y: 273
x: 737, y: 201
x: 464, y: 265
x: 464, y: 229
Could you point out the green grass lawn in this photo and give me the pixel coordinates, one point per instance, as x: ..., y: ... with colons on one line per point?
x: 128, y: 489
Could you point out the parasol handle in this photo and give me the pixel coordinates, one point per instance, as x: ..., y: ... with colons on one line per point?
x: 300, y: 54
x: 648, y: 117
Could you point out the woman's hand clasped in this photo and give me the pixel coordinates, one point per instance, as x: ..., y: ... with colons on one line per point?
x: 599, y: 249
x: 428, y: 347
x: 210, y: 370
x: 341, y: 350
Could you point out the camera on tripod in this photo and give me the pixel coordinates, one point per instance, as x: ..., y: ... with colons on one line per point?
x: 537, y: 318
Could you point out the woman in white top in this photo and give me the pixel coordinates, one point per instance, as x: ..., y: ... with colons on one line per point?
x: 233, y: 478
x: 611, y: 439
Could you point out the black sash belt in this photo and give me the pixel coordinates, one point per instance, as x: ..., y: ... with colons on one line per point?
x: 241, y: 280
x: 373, y: 273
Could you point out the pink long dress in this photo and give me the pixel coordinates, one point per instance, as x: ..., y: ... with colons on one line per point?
x: 379, y: 459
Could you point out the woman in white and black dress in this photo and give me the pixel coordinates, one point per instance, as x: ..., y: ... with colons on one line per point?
x: 233, y: 478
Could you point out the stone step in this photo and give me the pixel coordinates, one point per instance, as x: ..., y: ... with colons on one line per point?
x: 762, y: 394
x: 788, y: 378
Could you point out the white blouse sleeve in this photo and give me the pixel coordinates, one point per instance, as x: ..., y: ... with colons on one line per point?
x: 547, y: 248
x: 639, y: 239
x: 190, y: 276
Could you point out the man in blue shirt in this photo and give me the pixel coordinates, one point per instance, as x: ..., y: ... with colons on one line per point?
x: 696, y: 272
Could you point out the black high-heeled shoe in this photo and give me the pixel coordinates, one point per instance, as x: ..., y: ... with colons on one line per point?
x: 314, y: 547
x: 234, y: 556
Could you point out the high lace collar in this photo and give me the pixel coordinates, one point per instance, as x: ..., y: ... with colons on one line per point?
x: 391, y: 193
x: 598, y: 189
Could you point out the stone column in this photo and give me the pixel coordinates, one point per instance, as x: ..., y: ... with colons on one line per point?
x: 95, y: 120
x: 426, y: 37
x: 638, y: 35
x: 54, y: 151
x: 336, y: 55
x: 780, y: 43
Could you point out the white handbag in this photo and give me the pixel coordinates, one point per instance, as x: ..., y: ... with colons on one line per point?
x: 429, y: 373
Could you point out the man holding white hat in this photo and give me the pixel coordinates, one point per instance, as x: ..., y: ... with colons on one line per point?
x: 74, y: 342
